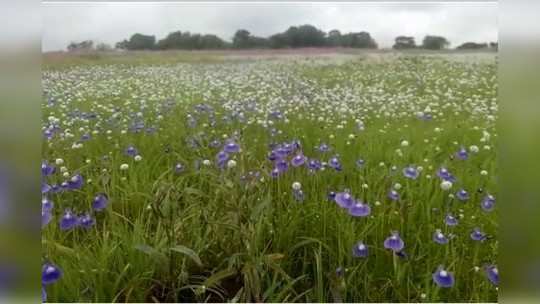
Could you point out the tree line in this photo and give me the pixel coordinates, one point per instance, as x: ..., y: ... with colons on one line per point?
x: 294, y: 37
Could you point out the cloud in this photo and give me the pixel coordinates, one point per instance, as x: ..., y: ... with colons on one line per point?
x: 112, y: 22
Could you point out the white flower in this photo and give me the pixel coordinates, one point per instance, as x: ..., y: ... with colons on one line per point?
x: 397, y: 186
x: 483, y: 172
x: 63, y: 169
x: 231, y: 163
x: 365, y: 186
x: 66, y: 174
x: 206, y: 162
x: 59, y: 161
x: 351, y: 136
x: 474, y: 149
x: 137, y: 158
x: 446, y: 185
x: 124, y: 167
x: 404, y: 143
x: 296, y: 186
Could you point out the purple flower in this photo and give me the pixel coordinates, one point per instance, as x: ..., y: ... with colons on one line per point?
x: 439, y: 237
x: 492, y: 273
x: 56, y: 188
x: 314, y: 165
x: 50, y: 273
x: 69, y: 220
x: 100, y: 201
x: 393, y: 195
x: 323, y: 147
x: 331, y: 196
x: 394, y: 242
x: 344, y: 199
x: 282, y: 165
x: 360, y: 250
x: 272, y: 156
x: 488, y: 203
x: 411, y: 172
x: 450, y: 220
x: 462, y: 154
x: 75, y: 182
x: 443, y: 278
x: 221, y: 158
x: 359, y: 209
x: 86, y: 221
x: 478, y: 235
x: 131, y: 151
x: 334, y: 163
x: 43, y: 294
x: 47, y: 169
x: 46, y: 204
x: 46, y: 217
x: 462, y: 195
x: 274, y: 173
x: 298, y: 195
x: 298, y: 160
x: 45, y: 188
x: 360, y: 163
x: 444, y: 174
x: 231, y: 147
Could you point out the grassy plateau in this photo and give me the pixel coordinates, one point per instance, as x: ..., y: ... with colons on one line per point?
x: 322, y: 178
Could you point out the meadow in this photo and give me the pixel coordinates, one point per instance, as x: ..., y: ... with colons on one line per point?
x: 342, y: 178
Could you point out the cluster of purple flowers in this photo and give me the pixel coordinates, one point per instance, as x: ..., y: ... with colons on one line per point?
x: 74, y: 183
x: 69, y: 219
x: 355, y: 207
x: 230, y: 147
x: 445, y: 175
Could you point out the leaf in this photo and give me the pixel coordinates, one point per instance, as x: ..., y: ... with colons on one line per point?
x: 189, y: 252
x: 259, y: 208
x: 274, y: 256
x: 215, y: 279
x: 151, y: 251
x: 60, y: 248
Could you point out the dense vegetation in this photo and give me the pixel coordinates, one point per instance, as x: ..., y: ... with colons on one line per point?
x: 294, y: 37
x: 313, y: 179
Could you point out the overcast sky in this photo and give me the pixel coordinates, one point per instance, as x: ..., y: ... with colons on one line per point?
x: 112, y: 22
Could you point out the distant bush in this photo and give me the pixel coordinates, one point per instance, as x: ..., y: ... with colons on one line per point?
x: 472, y: 46
x: 86, y: 45
x: 435, y: 43
x: 404, y: 42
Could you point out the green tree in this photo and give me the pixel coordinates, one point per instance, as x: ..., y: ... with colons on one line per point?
x: 435, y: 43
x: 404, y: 42
x: 334, y: 38
x: 141, y: 42
x: 472, y: 46
x: 86, y: 45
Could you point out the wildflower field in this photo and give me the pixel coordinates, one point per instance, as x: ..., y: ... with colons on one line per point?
x: 298, y: 178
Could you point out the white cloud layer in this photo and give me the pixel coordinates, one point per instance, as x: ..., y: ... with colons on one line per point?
x: 112, y: 22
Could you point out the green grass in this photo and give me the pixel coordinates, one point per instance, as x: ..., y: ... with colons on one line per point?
x: 204, y: 235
